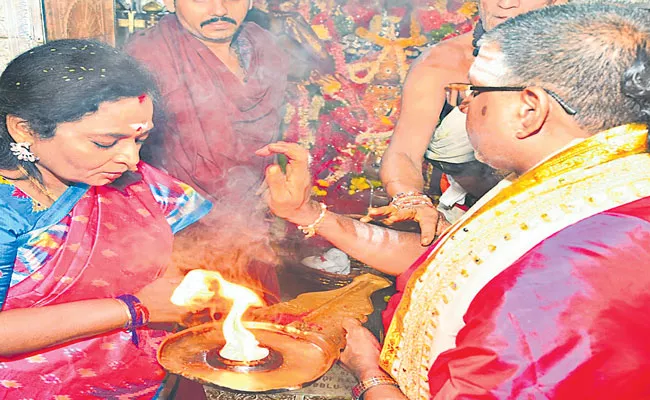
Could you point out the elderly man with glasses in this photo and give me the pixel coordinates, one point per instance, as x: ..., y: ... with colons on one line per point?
x: 426, y: 121
x: 541, y: 290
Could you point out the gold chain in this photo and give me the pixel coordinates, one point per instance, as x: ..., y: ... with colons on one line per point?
x: 37, y: 184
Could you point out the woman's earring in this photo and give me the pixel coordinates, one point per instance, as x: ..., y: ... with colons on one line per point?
x: 22, y: 152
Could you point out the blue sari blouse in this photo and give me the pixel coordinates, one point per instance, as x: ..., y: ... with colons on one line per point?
x: 30, y: 233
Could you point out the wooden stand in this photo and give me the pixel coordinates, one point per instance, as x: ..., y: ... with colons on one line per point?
x: 80, y: 19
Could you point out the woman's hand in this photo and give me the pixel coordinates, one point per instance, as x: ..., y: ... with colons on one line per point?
x: 156, y: 296
x: 288, y: 193
x: 361, y: 353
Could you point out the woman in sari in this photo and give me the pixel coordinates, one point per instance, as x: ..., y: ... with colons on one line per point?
x: 86, y: 229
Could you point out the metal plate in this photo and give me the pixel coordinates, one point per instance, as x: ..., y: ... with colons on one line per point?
x: 305, y: 357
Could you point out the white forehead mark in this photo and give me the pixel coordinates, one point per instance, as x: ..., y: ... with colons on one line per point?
x: 487, y: 66
x: 139, y: 127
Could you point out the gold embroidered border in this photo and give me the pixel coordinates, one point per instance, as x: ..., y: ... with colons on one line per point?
x: 563, y: 177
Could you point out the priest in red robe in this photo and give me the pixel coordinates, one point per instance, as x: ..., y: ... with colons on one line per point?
x: 541, y: 290
x: 223, y: 85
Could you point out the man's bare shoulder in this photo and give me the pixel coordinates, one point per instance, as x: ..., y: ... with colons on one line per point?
x: 450, y: 55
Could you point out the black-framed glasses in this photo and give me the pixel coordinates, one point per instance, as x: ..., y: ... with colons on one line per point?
x: 457, y: 93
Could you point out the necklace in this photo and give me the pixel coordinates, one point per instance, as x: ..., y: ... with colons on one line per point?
x: 38, y: 185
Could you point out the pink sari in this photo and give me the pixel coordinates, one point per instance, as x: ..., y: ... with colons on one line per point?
x: 117, y: 242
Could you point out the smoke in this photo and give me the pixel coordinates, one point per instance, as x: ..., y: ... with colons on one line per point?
x: 234, y: 239
x: 213, y: 151
x: 297, y: 39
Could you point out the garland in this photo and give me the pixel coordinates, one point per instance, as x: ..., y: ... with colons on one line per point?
x: 346, y: 119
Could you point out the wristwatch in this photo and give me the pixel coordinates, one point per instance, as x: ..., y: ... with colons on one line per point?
x: 360, y: 388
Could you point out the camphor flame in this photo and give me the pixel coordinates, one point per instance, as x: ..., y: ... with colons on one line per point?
x: 196, y: 289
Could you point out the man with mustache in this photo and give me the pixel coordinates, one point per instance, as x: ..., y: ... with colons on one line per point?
x: 223, y: 84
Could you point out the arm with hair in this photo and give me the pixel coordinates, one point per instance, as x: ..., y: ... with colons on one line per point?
x: 288, y: 197
x: 423, y: 98
x: 422, y: 101
x: 384, y: 249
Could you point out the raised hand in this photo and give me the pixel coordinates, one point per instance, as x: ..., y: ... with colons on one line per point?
x: 288, y: 193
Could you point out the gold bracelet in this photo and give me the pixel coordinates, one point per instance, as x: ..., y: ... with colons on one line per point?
x: 128, y: 313
x: 410, y: 200
x: 360, y: 388
x: 310, y: 230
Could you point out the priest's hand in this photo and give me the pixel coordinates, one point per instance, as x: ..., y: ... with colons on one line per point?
x: 361, y: 353
x: 432, y: 222
x: 288, y: 193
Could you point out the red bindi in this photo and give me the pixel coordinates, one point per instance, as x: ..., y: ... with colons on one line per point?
x: 142, y: 98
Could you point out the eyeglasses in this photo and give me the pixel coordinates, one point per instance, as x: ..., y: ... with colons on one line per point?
x: 457, y: 93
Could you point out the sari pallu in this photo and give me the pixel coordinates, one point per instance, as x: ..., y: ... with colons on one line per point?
x: 116, y: 242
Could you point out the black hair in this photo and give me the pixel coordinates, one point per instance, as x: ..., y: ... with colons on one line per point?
x: 473, y: 167
x: 63, y: 81
x: 580, y: 51
x: 477, y: 34
x: 636, y: 81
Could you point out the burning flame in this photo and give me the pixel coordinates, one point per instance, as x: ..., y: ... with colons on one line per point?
x: 196, y: 289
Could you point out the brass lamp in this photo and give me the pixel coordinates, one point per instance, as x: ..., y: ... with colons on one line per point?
x: 304, y: 337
